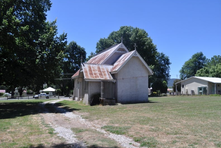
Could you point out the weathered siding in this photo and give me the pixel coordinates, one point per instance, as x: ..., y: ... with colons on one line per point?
x: 93, y: 88
x: 78, y: 85
x: 109, y: 89
x: 132, y: 82
x: 191, y: 85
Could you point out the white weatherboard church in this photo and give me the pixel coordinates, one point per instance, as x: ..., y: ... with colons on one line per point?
x: 114, y: 75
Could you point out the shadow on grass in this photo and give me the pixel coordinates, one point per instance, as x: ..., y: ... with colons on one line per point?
x: 17, y: 109
x: 149, y: 101
x: 73, y: 145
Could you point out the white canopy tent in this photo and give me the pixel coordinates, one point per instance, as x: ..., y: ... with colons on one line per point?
x: 50, y: 90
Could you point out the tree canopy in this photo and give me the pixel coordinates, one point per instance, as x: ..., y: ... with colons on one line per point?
x: 190, y: 67
x: 216, y: 59
x: 130, y: 36
x: 158, y: 62
x: 74, y: 55
x: 212, y: 68
x: 30, y: 50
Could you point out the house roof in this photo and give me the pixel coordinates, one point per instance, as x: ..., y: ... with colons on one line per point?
x: 95, y: 69
x: 209, y: 79
x: 103, y: 56
x: 121, y: 61
x: 76, y: 74
x: 97, y: 72
x: 125, y: 58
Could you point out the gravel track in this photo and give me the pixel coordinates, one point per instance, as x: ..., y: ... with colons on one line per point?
x: 64, y: 129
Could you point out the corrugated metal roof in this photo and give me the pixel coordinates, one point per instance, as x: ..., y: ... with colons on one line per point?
x: 76, y: 74
x: 209, y: 79
x: 121, y: 61
x: 97, y: 72
x: 100, y: 58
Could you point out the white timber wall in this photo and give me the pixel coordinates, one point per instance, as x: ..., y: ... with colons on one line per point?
x: 132, y: 82
x: 91, y: 88
x: 192, y: 84
x: 78, y: 87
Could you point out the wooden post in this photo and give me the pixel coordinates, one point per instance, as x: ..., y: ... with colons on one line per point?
x: 102, y: 89
x: 176, y: 89
x: 215, y: 88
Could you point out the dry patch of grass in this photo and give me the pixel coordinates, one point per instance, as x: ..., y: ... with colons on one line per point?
x: 116, y: 129
x: 25, y: 131
x: 93, y: 138
x: 183, y: 121
x: 22, y: 126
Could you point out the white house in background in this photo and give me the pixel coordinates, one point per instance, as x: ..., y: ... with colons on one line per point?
x: 200, y: 85
x: 115, y: 74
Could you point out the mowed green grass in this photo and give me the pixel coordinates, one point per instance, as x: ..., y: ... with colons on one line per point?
x: 183, y: 121
x: 21, y: 125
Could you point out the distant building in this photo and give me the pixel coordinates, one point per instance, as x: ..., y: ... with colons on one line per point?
x: 200, y: 85
x: 2, y: 91
x: 116, y: 75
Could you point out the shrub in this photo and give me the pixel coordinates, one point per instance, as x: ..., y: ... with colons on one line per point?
x: 154, y: 93
x: 1, y: 94
x: 29, y: 91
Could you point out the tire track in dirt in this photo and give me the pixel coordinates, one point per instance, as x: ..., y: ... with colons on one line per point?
x: 63, y: 121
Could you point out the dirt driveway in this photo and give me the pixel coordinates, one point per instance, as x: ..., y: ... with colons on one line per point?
x: 79, y: 132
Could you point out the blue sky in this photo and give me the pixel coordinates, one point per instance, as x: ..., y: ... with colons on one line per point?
x: 179, y: 28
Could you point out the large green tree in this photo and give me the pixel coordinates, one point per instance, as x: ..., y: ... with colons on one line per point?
x: 130, y: 36
x: 49, y: 56
x: 28, y: 44
x: 190, y: 67
x: 212, y: 68
x: 216, y: 59
x: 158, y: 62
x: 74, y: 55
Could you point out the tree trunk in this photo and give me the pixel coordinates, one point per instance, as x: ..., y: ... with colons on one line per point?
x: 13, y: 91
x: 20, y: 90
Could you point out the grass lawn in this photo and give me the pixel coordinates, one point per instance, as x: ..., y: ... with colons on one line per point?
x: 21, y: 126
x: 184, y: 121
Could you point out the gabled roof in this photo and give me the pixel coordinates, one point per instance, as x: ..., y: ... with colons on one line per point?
x: 95, y: 69
x: 209, y: 79
x: 121, y: 61
x: 125, y: 58
x: 106, y: 54
x: 97, y: 72
x: 76, y: 74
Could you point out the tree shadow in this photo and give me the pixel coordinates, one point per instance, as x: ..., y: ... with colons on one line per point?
x: 18, y: 109
x: 149, y: 101
x: 72, y: 145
